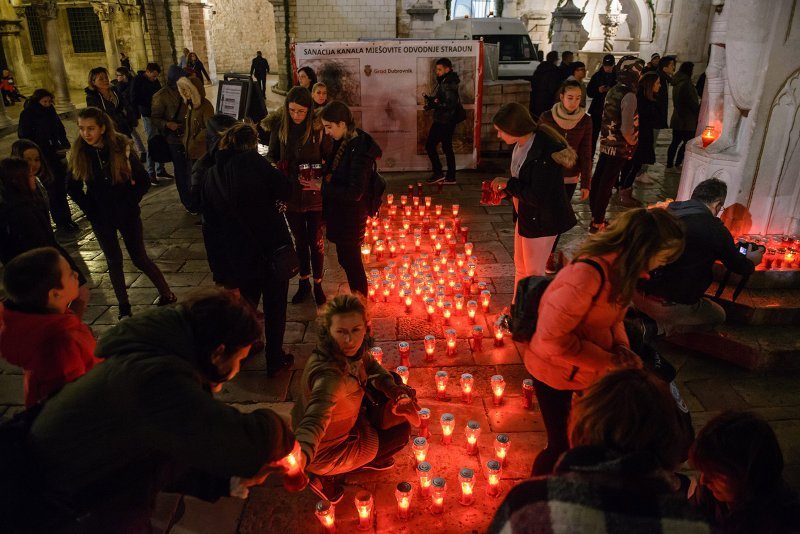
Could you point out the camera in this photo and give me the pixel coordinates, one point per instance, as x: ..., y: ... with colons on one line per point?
x: 430, y: 102
x: 745, y: 247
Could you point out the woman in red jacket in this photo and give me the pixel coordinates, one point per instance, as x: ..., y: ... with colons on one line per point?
x: 579, y: 334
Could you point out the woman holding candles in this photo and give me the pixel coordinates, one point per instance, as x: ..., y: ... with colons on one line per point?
x: 334, y: 434
x: 627, y: 439
x: 580, y: 334
x: 536, y: 187
x: 348, y: 170
x: 294, y: 147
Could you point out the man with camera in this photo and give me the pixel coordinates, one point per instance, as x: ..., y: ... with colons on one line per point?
x: 447, y: 113
x: 674, y: 295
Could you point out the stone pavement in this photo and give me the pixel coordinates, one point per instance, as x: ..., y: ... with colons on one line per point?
x: 174, y: 240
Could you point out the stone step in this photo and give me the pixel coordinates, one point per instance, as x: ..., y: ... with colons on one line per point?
x: 760, y: 306
x: 753, y: 347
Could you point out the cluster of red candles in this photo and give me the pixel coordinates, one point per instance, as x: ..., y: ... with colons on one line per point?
x: 781, y: 251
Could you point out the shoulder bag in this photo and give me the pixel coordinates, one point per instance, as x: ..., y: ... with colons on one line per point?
x: 157, y: 146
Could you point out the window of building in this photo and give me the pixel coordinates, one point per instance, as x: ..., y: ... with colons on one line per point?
x: 84, y: 26
x: 35, y: 32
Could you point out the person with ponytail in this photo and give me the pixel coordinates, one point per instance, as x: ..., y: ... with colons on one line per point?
x: 348, y: 170
x: 295, y: 142
x: 115, y: 182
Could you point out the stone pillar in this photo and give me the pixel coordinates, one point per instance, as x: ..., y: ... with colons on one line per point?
x: 285, y: 31
x: 611, y: 20
x: 568, y: 31
x: 134, y: 18
x: 105, y: 13
x: 422, y: 13
x: 48, y: 15
x: 9, y: 33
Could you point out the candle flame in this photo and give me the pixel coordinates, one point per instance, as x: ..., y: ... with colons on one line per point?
x: 466, y: 488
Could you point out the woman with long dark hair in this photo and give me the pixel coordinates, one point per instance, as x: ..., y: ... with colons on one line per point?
x: 348, y: 170
x: 115, y: 183
x: 296, y: 142
x: 580, y: 335
x: 306, y: 77
x: 101, y: 94
x: 194, y: 64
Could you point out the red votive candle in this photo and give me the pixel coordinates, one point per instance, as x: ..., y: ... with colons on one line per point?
x: 441, y: 384
x: 326, y: 513
x: 467, y: 383
x: 438, y: 487
x: 448, y: 422
x: 466, y: 477
x: 527, y: 393
x: 425, y: 476
x: 424, y: 423
x: 403, y: 496
x: 501, y: 445
x: 363, y: 502
x: 471, y: 432
x: 498, y: 386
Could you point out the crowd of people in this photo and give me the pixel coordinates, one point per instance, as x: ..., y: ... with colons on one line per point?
x: 110, y: 423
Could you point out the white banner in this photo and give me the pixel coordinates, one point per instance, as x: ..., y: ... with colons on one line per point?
x: 383, y: 83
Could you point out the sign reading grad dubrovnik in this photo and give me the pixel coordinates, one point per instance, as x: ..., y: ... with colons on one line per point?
x: 383, y: 83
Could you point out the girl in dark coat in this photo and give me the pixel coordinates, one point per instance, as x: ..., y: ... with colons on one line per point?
x: 100, y: 94
x: 40, y: 123
x: 684, y: 114
x: 115, y: 184
x: 536, y: 187
x: 647, y: 108
x: 24, y: 220
x: 295, y: 142
x: 348, y: 170
x: 193, y: 63
x: 243, y: 197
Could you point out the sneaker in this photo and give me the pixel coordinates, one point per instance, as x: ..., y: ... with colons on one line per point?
x: 551, y: 267
x: 166, y: 300
x: 594, y: 228
x: 153, y: 180
x: 383, y: 465
x: 124, y: 311
x: 435, y: 179
x: 449, y: 181
x: 326, y: 488
x: 164, y: 174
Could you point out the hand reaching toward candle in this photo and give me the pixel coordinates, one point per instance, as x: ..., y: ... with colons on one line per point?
x: 499, y: 183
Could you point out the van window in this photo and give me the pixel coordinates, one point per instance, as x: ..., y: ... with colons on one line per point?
x: 512, y: 47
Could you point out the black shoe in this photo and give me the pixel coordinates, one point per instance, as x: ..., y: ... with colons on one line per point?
x: 124, y: 311
x: 326, y: 488
x: 286, y: 362
x: 449, y: 181
x: 319, y: 294
x: 153, y: 180
x: 164, y: 174
x: 69, y: 226
x: 166, y: 300
x: 435, y: 179
x: 384, y: 465
x: 303, y: 291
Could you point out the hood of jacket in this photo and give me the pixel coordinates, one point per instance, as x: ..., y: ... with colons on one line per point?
x: 562, y: 153
x: 367, y: 144
x: 680, y: 78
x: 214, y: 128
x: 174, y: 73
x: 684, y: 208
x: 19, y: 327
x: 191, y: 91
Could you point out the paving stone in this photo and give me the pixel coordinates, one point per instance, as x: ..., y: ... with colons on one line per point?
x: 9, y: 369
x: 251, y: 386
x: 11, y: 391
x: 717, y: 395
x: 294, y: 333
x: 384, y: 328
x: 166, y: 505
x: 200, y: 516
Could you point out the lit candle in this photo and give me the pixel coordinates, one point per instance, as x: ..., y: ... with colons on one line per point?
x: 498, y: 386
x: 420, y: 448
x: 392, y: 248
x: 408, y: 300
x: 422, y: 211
x: 403, y: 496
x: 404, y: 349
x: 455, y: 210
x: 450, y: 335
x: 477, y: 338
x: 428, y: 202
x: 448, y: 422
x: 392, y: 211
x: 363, y: 502
x: 498, y: 335
x: 402, y: 371
x: 438, y: 210
x: 708, y: 136
x: 407, y: 211
x: 438, y: 487
x: 447, y: 313
x: 472, y: 310
x: 372, y: 292
x: 326, y: 513
x: 420, y: 189
x: 389, y: 199
x: 468, y: 249
x: 425, y: 475
x: 406, y: 224
x: 365, y: 250
x: 472, y: 431
x: 501, y: 445
x: 377, y: 354
x: 471, y: 270
x: 403, y: 200
x: 386, y: 287
x: 424, y: 423
x: 441, y: 384
x: 464, y: 234
x: 467, y: 382
x: 493, y: 477
x: 430, y: 307
x: 486, y: 297
x: 467, y: 479
x: 430, y: 347
x: 527, y: 393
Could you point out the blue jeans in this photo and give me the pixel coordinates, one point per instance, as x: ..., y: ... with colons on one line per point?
x: 148, y: 132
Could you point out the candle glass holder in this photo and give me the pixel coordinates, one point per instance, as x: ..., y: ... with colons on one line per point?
x: 424, y: 472
x: 486, y: 297
x: 472, y: 310
x: 403, y: 495
x: 498, y: 335
x: 466, y: 477
x: 441, y: 385
x: 493, y: 478
x: 377, y: 354
x: 498, y: 387
x: 450, y: 336
x: 477, y: 338
x: 404, y: 349
x: 501, y: 445
x: 326, y: 513
x: 527, y: 393
x: 472, y: 432
x: 402, y: 372
x: 424, y: 423
x: 364, y: 506
x: 420, y: 447
x: 438, y: 488
x: 430, y: 347
x: 448, y: 422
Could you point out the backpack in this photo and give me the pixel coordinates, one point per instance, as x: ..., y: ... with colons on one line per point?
x: 525, y: 311
x: 375, y: 190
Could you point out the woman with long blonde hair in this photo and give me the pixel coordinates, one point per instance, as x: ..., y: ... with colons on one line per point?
x: 115, y: 182
x: 580, y: 335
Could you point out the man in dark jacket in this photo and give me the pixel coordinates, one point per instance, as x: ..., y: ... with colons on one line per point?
x: 168, y: 114
x: 674, y: 296
x: 566, y: 64
x: 259, y: 68
x: 447, y: 113
x: 603, y: 80
x: 143, y: 87
x: 144, y: 419
x: 544, y: 85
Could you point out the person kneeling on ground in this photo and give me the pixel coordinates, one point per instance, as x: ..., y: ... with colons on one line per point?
x: 41, y: 333
x: 335, y: 435
x: 673, y: 296
x: 741, y: 477
x: 144, y: 420
x: 627, y: 438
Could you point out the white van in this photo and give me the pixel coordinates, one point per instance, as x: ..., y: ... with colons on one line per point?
x: 519, y: 57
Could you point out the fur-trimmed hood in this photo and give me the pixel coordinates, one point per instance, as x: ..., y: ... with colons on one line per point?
x: 563, y: 154
x: 192, y: 91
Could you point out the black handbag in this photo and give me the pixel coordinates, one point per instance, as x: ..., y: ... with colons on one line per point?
x: 284, y: 262
x: 378, y: 408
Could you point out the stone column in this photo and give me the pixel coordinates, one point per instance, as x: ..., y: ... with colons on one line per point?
x: 611, y: 20
x: 105, y: 13
x: 285, y: 31
x: 567, y: 28
x: 422, y: 13
x: 9, y: 33
x: 134, y: 17
x: 48, y: 16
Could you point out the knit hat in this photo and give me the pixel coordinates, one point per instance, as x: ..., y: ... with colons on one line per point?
x: 514, y: 119
x: 608, y: 59
x: 656, y: 55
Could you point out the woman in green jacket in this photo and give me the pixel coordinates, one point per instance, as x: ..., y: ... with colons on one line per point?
x: 334, y: 434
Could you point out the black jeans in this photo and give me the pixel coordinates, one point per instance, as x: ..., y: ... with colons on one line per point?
x: 678, y: 145
x: 133, y: 236
x: 596, y: 122
x: 441, y: 133
x: 274, y: 292
x: 307, y: 230
x: 629, y: 172
x: 57, y: 190
x: 555, y: 405
x: 391, y: 441
x: 605, y: 177
x: 262, y: 84
x: 569, y: 190
x: 181, y: 169
x: 349, y: 256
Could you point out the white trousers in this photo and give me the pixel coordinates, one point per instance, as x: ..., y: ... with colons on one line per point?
x: 530, y: 256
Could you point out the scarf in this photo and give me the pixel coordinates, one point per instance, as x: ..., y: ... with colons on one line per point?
x: 564, y: 118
